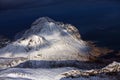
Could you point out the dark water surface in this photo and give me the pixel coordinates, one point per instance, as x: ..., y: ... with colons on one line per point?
x: 96, y: 20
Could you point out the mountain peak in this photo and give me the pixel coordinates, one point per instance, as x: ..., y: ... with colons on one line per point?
x: 47, y: 26
x: 42, y: 20
x: 51, y: 40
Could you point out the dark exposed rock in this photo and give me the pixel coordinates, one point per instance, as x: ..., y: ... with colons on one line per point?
x: 4, y: 41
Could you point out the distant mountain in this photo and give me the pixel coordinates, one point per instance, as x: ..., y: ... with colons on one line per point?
x: 49, y: 40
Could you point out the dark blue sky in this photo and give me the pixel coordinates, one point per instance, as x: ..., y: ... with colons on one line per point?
x: 95, y: 19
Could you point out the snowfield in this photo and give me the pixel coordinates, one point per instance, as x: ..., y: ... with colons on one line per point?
x: 51, y: 50
x: 65, y: 73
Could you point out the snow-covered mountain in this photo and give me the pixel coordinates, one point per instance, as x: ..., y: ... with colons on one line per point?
x: 51, y: 50
x: 49, y: 40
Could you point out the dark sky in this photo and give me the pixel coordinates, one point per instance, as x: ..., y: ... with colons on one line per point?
x: 14, y: 4
x: 95, y: 19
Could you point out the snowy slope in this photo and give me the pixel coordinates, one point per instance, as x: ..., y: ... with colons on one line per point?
x: 49, y: 40
x: 65, y: 73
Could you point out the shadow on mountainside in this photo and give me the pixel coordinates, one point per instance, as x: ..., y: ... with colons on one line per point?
x: 63, y: 63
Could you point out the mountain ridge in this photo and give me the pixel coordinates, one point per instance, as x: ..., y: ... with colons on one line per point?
x: 49, y: 40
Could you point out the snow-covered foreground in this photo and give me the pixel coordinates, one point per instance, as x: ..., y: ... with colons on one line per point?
x: 65, y: 73
x: 32, y: 74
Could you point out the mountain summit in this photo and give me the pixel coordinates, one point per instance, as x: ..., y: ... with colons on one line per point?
x: 49, y: 40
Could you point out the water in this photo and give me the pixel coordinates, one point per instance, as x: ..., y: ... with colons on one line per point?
x: 96, y: 20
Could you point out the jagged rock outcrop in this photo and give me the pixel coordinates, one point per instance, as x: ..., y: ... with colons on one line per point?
x: 111, y: 68
x: 106, y: 72
x: 11, y: 62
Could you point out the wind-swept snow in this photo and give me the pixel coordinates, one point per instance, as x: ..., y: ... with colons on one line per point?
x: 49, y: 40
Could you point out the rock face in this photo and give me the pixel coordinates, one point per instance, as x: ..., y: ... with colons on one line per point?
x: 49, y: 40
x: 4, y: 41
x: 106, y: 71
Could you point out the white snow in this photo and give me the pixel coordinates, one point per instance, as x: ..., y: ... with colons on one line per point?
x: 44, y: 74
x: 48, y: 40
x: 33, y: 74
x: 36, y: 74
